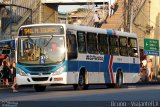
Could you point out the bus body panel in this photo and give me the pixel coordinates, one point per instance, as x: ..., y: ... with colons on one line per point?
x: 104, y: 72
x: 46, y: 80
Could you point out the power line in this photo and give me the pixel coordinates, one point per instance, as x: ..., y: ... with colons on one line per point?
x: 147, y: 18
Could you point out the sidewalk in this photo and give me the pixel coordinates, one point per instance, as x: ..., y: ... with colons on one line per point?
x: 3, y: 87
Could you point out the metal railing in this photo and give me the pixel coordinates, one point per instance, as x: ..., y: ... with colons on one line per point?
x: 5, y: 1
x: 21, y: 12
x: 30, y: 16
x: 88, y: 20
x: 121, y: 19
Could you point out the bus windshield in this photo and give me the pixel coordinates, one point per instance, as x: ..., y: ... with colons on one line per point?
x: 41, y: 50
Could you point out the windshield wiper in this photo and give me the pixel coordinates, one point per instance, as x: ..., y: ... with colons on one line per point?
x: 49, y: 41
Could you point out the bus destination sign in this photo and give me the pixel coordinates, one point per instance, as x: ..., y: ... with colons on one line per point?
x: 41, y: 30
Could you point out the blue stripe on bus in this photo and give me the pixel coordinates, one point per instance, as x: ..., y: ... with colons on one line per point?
x: 128, y: 68
x: 134, y: 68
x: 95, y: 66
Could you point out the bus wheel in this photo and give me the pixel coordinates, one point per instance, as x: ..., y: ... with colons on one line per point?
x: 119, y: 80
x: 39, y: 88
x: 81, y: 82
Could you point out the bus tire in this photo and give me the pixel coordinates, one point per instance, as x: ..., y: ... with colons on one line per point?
x: 39, y: 88
x: 119, y: 80
x: 81, y: 82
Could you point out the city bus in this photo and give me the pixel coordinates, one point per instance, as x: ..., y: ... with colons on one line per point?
x: 7, y: 47
x: 54, y: 54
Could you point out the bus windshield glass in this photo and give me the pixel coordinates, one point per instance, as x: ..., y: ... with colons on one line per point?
x: 41, y: 50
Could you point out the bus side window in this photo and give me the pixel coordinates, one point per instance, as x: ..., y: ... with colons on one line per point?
x: 103, y: 44
x: 81, y: 42
x: 92, y: 43
x: 113, y: 45
x: 123, y: 46
x: 72, y: 46
x: 132, y: 47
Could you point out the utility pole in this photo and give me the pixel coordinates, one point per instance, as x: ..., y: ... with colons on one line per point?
x: 129, y: 15
x: 125, y: 6
x: 11, y: 16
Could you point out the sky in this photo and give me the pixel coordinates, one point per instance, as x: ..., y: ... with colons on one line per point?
x: 69, y: 8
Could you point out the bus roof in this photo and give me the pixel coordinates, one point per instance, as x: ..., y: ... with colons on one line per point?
x: 8, y: 43
x: 88, y: 29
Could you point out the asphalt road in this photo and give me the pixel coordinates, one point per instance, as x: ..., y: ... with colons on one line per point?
x: 96, y: 96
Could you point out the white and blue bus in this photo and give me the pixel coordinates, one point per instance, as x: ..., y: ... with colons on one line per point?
x: 7, y: 47
x: 75, y: 55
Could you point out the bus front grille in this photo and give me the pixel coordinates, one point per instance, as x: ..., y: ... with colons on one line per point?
x: 40, y: 79
x: 39, y: 69
x: 44, y: 73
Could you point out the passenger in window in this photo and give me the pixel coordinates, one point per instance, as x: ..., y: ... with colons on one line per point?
x: 90, y: 49
x: 54, y: 47
x: 28, y: 53
x: 121, y: 51
x: 116, y: 51
x: 131, y: 52
x: 111, y: 50
x: 101, y: 50
x: 82, y: 49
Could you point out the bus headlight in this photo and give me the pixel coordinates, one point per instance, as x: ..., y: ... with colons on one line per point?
x: 59, y: 71
x: 21, y: 72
